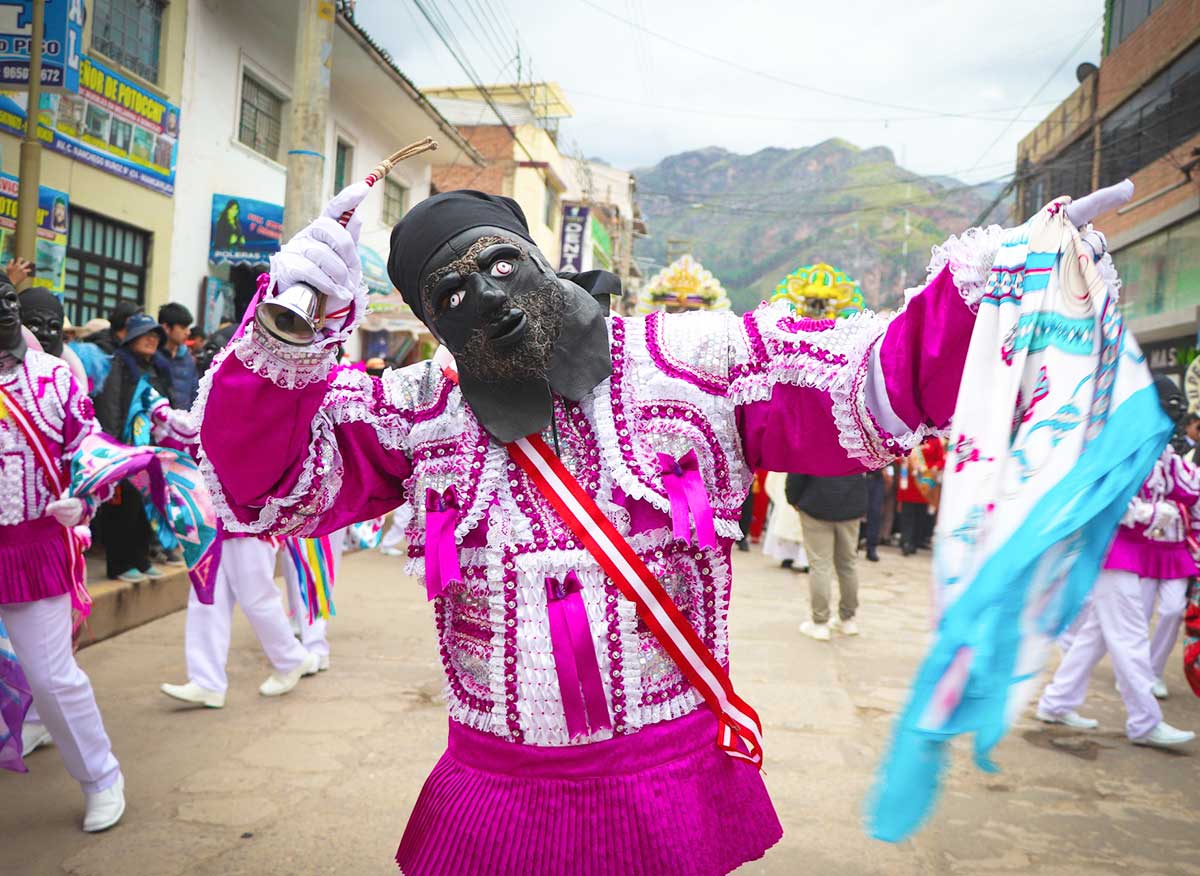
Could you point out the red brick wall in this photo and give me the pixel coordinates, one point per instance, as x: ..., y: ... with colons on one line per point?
x: 495, y: 144
x: 1150, y: 179
x: 1162, y: 36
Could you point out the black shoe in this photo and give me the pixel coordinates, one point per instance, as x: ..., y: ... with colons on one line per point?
x: 787, y: 564
x: 744, y: 545
x: 908, y: 550
x: 873, y: 556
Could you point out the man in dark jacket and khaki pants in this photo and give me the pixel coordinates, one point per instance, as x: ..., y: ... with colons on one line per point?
x: 830, y: 509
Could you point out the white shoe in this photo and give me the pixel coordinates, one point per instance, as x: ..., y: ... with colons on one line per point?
x: 323, y: 663
x: 817, y: 631
x: 392, y: 552
x: 1068, y: 719
x: 1165, y: 736
x: 34, y: 736
x: 1159, y: 689
x: 277, y: 685
x: 845, y: 627
x: 194, y: 693
x: 104, y: 808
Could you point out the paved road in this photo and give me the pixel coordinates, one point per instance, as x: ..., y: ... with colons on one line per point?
x: 322, y: 780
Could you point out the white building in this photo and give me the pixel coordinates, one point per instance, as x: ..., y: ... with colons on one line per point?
x: 235, y: 99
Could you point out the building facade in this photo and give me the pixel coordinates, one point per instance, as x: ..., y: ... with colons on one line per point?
x: 110, y: 157
x: 229, y: 200
x: 1137, y: 116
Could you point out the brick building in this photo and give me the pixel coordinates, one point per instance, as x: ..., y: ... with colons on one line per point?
x: 1137, y: 116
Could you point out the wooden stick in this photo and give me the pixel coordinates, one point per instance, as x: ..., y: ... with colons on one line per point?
x: 384, y: 167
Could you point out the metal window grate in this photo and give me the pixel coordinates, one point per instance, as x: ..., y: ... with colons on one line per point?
x: 395, y: 201
x: 130, y: 32
x: 106, y: 263
x: 261, y: 118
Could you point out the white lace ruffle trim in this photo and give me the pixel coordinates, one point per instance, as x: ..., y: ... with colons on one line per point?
x: 970, y: 256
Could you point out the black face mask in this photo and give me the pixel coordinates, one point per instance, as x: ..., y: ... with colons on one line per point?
x: 10, y: 318
x: 48, y: 329
x: 517, y: 331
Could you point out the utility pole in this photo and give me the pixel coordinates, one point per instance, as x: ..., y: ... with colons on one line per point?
x: 31, y: 147
x: 304, y: 195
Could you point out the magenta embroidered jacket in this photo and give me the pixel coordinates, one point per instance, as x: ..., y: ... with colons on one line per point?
x: 291, y: 445
x: 1152, y: 538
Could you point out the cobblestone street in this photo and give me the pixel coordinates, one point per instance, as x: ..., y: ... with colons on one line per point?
x: 322, y: 780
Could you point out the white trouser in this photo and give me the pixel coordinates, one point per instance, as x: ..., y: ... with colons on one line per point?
x: 40, y: 633
x: 312, y: 636
x: 246, y: 576
x: 1172, y: 602
x: 1116, y: 623
x: 394, y: 537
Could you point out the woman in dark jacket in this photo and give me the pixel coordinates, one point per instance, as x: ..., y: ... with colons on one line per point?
x: 123, y: 527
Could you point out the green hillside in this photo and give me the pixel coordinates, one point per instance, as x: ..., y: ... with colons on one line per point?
x: 751, y: 219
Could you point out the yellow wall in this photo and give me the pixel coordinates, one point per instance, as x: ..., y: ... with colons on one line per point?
x: 111, y: 195
x: 529, y: 187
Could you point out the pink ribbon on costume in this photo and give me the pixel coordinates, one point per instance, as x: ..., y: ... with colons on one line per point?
x: 685, y: 488
x: 441, y: 552
x: 575, y: 662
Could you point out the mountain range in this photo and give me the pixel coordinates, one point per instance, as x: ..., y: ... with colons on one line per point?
x: 752, y: 219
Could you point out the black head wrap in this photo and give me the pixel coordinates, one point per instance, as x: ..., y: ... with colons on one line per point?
x: 433, y: 222
x: 39, y: 300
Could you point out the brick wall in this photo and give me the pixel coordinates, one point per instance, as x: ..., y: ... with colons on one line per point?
x: 495, y: 144
x: 1150, y: 179
x: 1162, y: 37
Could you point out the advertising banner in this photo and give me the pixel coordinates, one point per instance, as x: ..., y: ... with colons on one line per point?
x: 62, y: 43
x: 219, y: 306
x: 53, y: 222
x: 112, y: 124
x: 244, y: 231
x: 575, y: 247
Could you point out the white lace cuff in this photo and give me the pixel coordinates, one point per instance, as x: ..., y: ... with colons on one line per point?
x: 285, y: 365
x: 970, y: 258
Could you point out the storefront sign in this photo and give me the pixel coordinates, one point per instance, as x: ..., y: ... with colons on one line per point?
x: 218, y: 303
x: 1173, y: 355
x: 53, y: 222
x: 112, y: 125
x: 61, y: 44
x: 244, y: 231
x: 575, y: 243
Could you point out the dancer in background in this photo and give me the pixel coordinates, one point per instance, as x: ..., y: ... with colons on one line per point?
x: 785, y: 538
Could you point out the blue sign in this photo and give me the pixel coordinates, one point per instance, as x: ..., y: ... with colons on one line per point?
x: 62, y: 44
x: 112, y: 124
x: 244, y: 231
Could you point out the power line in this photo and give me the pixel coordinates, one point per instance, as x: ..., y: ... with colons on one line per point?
x: 765, y: 74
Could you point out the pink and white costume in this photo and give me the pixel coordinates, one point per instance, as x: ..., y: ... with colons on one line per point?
x: 35, y: 582
x: 644, y: 789
x: 1149, y: 556
x: 313, y: 636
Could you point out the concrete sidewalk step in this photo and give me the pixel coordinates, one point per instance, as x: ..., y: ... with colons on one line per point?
x: 118, y: 606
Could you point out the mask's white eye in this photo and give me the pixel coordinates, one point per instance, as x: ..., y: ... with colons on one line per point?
x: 502, y: 268
x: 456, y: 298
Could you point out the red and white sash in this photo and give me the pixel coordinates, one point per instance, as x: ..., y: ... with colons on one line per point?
x: 58, y: 482
x: 738, y: 722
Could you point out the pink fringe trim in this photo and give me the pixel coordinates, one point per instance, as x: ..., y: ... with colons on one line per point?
x: 33, y: 561
x: 662, y: 802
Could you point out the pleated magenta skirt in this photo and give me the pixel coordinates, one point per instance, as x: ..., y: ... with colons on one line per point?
x: 662, y: 802
x: 33, y: 561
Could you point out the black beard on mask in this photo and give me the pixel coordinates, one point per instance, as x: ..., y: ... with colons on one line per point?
x: 543, y: 308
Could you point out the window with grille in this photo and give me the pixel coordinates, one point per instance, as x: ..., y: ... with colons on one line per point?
x: 395, y: 201
x: 1162, y: 114
x: 106, y: 263
x: 261, y: 118
x: 1126, y: 16
x: 343, y: 166
x: 130, y: 32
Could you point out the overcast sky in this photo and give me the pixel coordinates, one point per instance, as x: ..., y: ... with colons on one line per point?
x: 649, y: 78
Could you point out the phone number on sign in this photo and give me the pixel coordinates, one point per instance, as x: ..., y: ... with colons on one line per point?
x: 19, y: 73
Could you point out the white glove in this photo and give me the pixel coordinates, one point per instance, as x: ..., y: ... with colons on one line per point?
x: 324, y: 255
x: 68, y: 511
x: 1087, y: 208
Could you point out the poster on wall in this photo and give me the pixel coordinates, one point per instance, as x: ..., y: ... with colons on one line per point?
x: 574, y: 244
x: 111, y: 124
x: 218, y: 303
x: 244, y: 231
x: 53, y: 222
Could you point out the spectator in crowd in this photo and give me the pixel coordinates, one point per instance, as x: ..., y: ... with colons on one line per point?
x: 919, y: 473
x: 110, y: 339
x: 1191, y: 429
x: 830, y: 509
x: 95, y: 361
x: 123, y: 525
x: 878, y: 483
x: 176, y: 321
x: 195, y: 339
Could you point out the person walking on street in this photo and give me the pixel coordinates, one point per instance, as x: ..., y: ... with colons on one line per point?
x: 878, y: 484
x: 124, y: 527
x: 176, y: 321
x: 918, y: 479
x: 830, y: 509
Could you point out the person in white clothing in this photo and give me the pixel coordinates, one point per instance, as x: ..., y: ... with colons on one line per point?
x: 246, y: 576
x: 313, y: 636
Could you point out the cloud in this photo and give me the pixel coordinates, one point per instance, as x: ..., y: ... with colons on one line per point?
x: 639, y: 97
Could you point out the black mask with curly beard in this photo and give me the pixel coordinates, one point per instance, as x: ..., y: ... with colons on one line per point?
x: 517, y: 331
